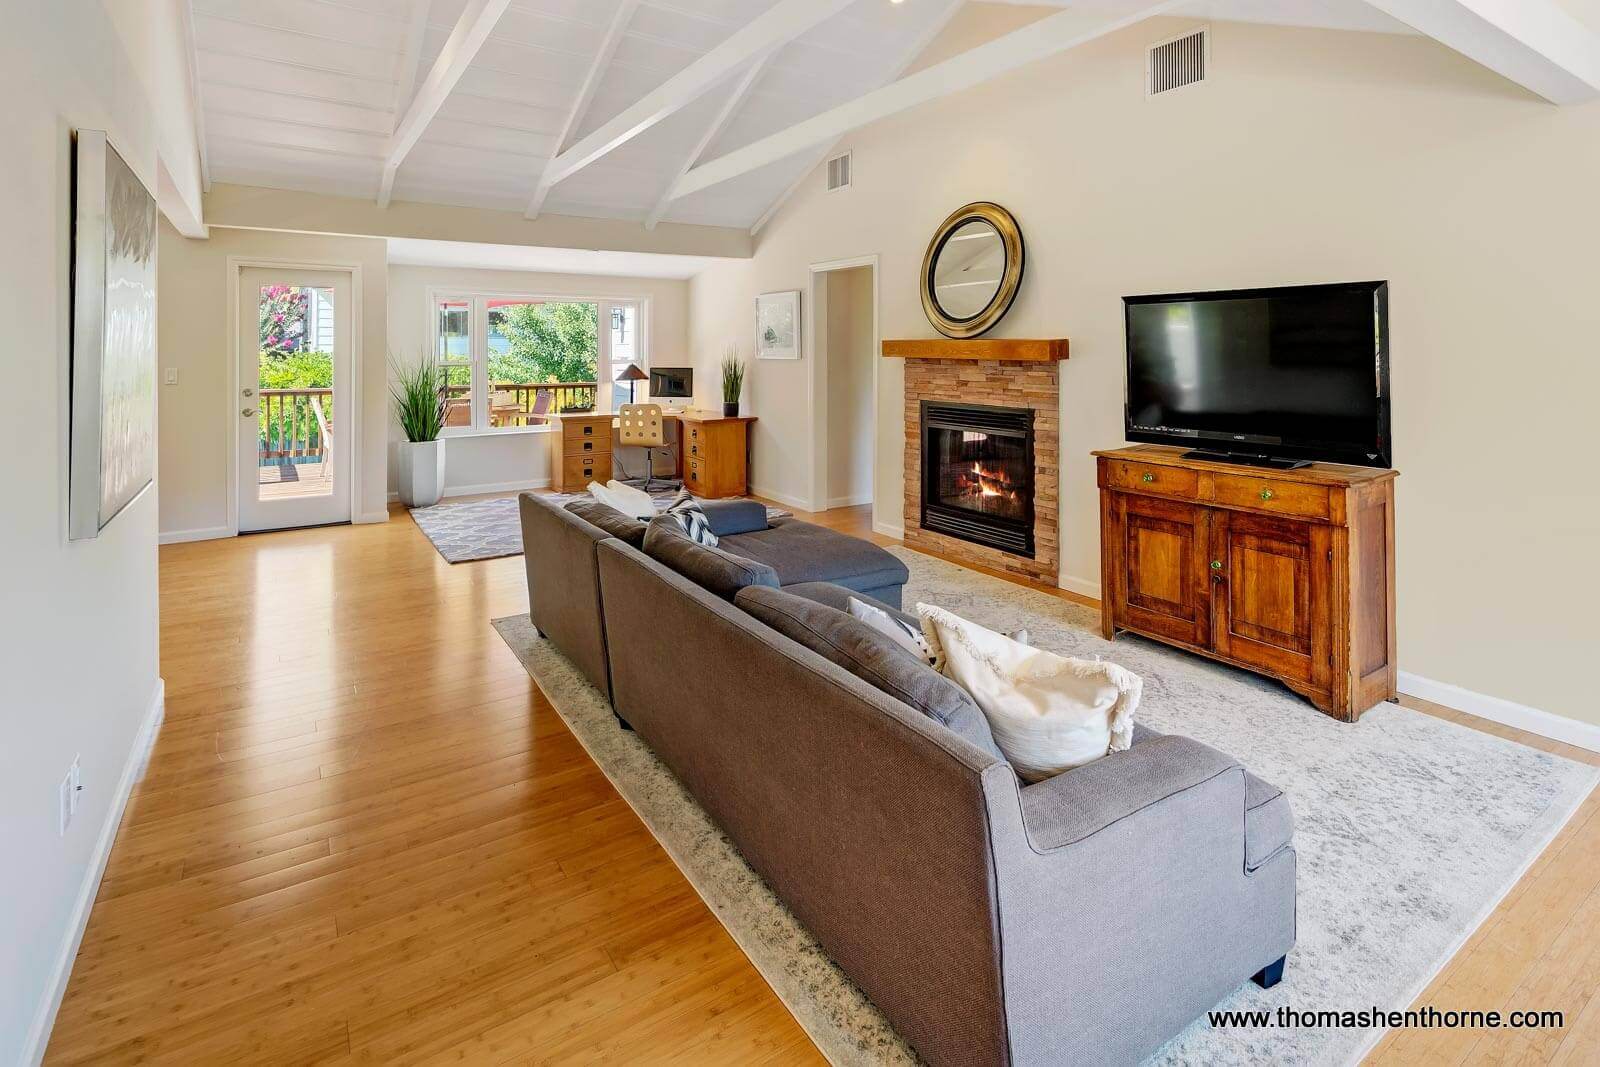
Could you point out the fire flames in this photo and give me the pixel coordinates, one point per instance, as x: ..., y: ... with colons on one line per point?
x: 984, y: 482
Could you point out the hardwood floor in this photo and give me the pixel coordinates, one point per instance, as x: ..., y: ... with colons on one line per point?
x: 365, y: 836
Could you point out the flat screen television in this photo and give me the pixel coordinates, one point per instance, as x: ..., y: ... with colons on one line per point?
x: 1277, y: 377
x: 672, y: 383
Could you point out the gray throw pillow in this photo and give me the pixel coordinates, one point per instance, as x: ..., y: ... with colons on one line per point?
x: 713, y: 569
x: 623, y: 527
x: 872, y: 657
x: 736, y: 515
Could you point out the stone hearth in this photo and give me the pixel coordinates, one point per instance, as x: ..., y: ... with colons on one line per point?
x: 1034, y: 385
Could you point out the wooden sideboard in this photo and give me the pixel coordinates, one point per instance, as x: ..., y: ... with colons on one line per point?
x: 1288, y: 573
x: 580, y: 451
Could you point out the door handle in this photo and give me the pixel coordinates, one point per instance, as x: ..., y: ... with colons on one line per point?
x: 247, y: 412
x: 248, y: 392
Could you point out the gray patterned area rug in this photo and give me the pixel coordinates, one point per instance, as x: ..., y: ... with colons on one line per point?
x: 489, y: 529
x: 1409, y: 830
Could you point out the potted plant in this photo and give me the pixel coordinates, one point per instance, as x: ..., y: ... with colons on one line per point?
x: 420, y: 404
x: 732, y: 381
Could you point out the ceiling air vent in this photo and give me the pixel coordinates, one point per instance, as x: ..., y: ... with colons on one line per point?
x: 839, y: 172
x: 1176, y: 63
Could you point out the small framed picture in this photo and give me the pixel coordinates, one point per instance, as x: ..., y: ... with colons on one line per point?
x: 778, y: 325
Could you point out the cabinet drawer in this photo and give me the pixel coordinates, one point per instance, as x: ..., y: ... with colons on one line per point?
x: 1270, y: 494
x: 579, y: 471
x: 596, y: 432
x: 586, y: 447
x: 1151, y: 478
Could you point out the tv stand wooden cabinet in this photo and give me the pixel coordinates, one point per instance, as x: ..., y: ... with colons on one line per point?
x: 1288, y: 573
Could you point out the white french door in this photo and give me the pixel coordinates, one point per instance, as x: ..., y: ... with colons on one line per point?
x: 294, y: 398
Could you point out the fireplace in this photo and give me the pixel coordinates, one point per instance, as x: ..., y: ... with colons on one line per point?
x: 977, y: 474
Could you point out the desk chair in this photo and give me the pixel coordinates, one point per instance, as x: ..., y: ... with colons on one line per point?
x: 640, y: 426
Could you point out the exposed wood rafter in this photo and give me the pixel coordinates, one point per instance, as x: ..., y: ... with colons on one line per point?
x: 775, y: 27
x: 585, y: 97
x: 471, y: 30
x: 1535, y: 43
x: 1055, y: 33
x: 920, y: 45
x: 724, y: 115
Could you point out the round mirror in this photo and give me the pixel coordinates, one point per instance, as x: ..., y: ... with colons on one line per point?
x: 972, y: 270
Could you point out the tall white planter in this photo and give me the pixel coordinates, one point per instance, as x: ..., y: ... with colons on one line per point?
x: 421, y: 473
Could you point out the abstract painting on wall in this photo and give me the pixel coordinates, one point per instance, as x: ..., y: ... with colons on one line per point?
x: 778, y: 325
x: 113, y: 338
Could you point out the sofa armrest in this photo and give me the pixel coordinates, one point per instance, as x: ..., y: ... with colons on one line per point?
x: 727, y: 517
x: 1078, y: 803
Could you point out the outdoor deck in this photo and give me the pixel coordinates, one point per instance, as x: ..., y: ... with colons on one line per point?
x: 281, y: 481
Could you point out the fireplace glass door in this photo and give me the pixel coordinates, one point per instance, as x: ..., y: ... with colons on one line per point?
x: 977, y: 472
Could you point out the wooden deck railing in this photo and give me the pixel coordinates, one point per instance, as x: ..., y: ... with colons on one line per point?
x: 564, y: 396
x: 296, y: 423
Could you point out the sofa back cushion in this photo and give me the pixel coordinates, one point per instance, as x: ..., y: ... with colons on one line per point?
x: 613, y: 522
x: 871, y: 656
x: 713, y: 569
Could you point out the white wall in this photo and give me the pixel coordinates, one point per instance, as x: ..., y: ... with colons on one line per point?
x: 516, y: 458
x: 78, y: 633
x: 848, y: 348
x: 199, y: 415
x: 1310, y: 156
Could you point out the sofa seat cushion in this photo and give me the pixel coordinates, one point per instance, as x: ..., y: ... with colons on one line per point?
x: 802, y: 552
x: 605, y: 517
x: 1268, y: 820
x: 714, y: 570
x: 872, y: 657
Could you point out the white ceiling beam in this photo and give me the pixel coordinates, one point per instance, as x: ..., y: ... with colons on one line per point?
x: 471, y: 30
x: 580, y: 106
x: 1052, y: 34
x: 405, y: 75
x: 192, y: 56
x: 730, y: 107
x: 922, y: 43
x: 775, y: 27
x: 1535, y: 43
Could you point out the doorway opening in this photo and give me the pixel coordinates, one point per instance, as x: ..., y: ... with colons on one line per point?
x: 844, y: 329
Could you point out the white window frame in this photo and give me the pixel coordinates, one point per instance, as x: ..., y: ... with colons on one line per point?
x: 477, y: 301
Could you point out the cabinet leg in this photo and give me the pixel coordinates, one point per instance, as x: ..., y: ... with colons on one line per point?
x: 1271, y: 974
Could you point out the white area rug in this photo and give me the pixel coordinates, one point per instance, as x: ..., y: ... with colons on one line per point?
x: 1409, y: 830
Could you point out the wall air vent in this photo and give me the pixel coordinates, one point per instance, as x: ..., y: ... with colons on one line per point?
x: 839, y: 172
x: 1177, y: 63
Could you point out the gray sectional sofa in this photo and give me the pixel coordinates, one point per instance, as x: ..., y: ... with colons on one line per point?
x: 1083, y: 919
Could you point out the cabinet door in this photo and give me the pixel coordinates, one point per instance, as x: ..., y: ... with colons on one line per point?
x: 1159, y: 568
x: 1270, y: 604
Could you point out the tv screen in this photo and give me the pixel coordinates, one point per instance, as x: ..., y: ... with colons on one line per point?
x: 672, y: 383
x: 1299, y: 373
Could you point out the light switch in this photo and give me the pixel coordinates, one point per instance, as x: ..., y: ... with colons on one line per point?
x: 172, y: 375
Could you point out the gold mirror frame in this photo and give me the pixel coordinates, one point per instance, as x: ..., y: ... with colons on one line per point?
x: 1005, y: 224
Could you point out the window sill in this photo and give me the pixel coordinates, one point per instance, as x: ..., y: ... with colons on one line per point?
x: 498, y: 431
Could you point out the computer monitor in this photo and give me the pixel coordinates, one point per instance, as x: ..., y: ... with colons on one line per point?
x: 672, y: 383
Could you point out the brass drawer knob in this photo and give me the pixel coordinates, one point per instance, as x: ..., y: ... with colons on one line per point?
x: 1216, y: 564
x: 1148, y: 477
x: 1266, y: 494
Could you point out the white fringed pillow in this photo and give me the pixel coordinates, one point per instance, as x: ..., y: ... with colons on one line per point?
x: 1048, y: 713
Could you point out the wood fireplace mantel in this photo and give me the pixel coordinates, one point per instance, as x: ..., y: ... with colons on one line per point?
x: 1002, y: 349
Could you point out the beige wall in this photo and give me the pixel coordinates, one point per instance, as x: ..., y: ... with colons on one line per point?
x: 198, y: 415
x: 1310, y: 156
x: 849, y: 354
x: 513, y: 459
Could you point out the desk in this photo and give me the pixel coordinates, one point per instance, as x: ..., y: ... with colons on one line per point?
x: 710, y: 451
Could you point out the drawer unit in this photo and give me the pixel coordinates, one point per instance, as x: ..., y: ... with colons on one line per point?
x: 1271, y: 494
x: 715, y: 452
x: 580, y: 451
x: 1150, y: 478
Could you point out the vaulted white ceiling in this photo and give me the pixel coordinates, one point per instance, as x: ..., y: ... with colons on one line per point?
x: 310, y: 94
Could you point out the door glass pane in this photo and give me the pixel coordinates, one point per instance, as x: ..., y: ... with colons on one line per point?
x: 455, y: 355
x: 295, y: 432
x: 542, y: 358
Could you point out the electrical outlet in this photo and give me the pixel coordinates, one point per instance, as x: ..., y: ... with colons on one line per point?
x: 65, y: 798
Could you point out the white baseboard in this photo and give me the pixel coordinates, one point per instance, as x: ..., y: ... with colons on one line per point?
x: 889, y: 530
x: 782, y: 498
x: 1505, y: 712
x: 366, y: 517
x: 209, y: 533
x: 132, y: 770
x: 853, y: 501
x: 495, y: 487
x: 1081, y: 586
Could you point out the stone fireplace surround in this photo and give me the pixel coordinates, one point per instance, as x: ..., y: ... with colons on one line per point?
x: 1003, y: 383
